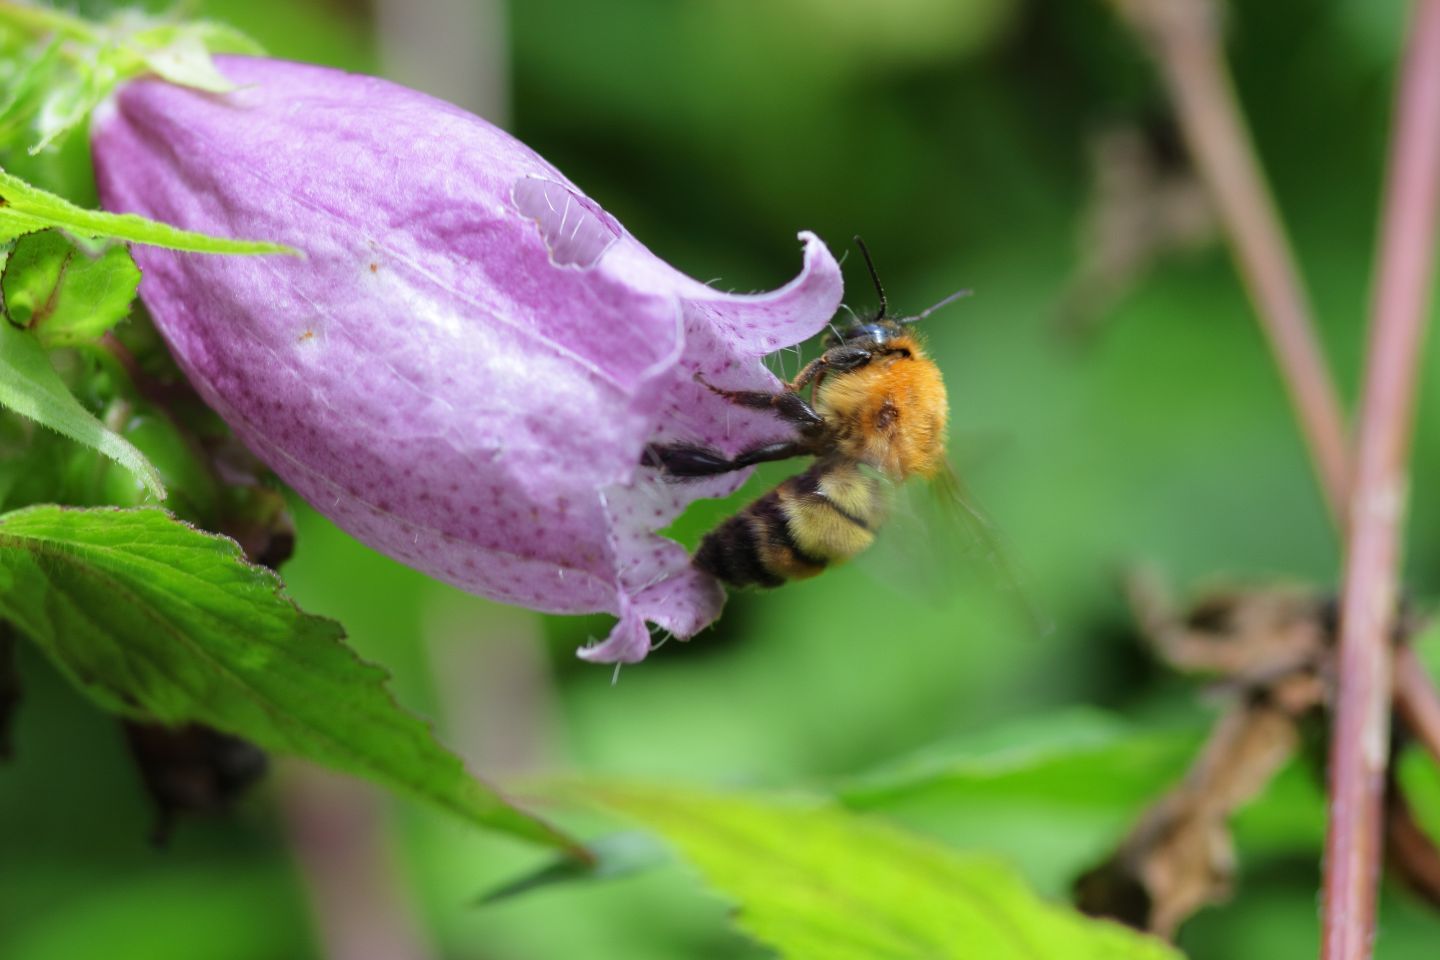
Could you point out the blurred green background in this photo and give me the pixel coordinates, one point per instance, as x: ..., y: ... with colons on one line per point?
x: 1106, y: 407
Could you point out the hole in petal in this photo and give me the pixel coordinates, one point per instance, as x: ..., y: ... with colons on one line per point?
x: 575, y: 229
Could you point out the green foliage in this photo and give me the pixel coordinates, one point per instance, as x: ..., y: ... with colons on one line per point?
x: 64, y: 295
x: 1419, y: 777
x: 59, y: 80
x: 24, y: 209
x: 154, y: 619
x: 30, y: 386
x: 212, y: 915
x: 614, y: 856
x: 1088, y: 757
x: 815, y: 881
x: 1053, y: 793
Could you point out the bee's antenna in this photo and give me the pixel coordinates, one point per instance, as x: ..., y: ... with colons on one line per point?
x: 957, y: 295
x: 879, y: 290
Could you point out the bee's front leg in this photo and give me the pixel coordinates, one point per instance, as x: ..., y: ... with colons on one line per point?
x: 787, y: 404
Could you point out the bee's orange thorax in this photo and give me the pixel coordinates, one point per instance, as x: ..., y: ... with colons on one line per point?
x: 891, y: 413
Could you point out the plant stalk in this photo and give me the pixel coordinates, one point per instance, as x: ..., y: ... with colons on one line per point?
x: 1184, y: 37
x: 1359, y: 743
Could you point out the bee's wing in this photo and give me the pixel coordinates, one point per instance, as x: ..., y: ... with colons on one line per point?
x: 938, y: 537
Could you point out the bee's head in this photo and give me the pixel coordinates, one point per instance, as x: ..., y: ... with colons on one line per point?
x: 877, y: 332
x: 879, y: 329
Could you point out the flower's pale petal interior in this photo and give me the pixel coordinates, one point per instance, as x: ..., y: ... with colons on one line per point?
x: 574, y: 227
x: 466, y: 364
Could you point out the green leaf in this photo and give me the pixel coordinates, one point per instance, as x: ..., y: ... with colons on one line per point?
x: 612, y: 857
x: 30, y: 386
x: 26, y: 88
x: 813, y: 880
x: 155, y: 619
x: 180, y: 52
x: 64, y: 295
x: 1088, y: 757
x: 92, y: 59
x: 1053, y: 793
x: 24, y: 209
x: 1420, y: 779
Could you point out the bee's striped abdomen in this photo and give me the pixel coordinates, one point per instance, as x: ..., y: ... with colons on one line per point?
x: 794, y: 531
x: 756, y: 547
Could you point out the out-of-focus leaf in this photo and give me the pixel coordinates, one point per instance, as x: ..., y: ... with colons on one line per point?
x: 1052, y: 793
x: 30, y: 386
x: 94, y: 58
x: 1086, y: 757
x: 24, y: 209
x: 180, y: 52
x: 25, y: 83
x: 614, y: 856
x: 209, y: 911
x: 62, y: 294
x: 1420, y: 779
x: 813, y: 880
x: 156, y: 620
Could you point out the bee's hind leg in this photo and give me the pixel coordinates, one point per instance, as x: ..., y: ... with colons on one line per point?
x: 684, y: 461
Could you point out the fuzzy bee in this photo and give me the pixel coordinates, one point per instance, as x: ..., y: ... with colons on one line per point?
x: 875, y: 417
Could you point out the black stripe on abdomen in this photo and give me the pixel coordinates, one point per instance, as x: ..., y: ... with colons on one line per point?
x: 769, y: 511
x: 755, y: 547
x: 731, y: 552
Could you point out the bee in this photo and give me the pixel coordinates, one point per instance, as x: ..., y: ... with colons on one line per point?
x: 875, y: 417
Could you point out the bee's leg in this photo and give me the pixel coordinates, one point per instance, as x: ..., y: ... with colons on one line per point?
x: 683, y: 461
x: 787, y: 405
x: 835, y: 360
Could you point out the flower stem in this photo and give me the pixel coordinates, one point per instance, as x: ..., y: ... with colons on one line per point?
x: 1360, y: 740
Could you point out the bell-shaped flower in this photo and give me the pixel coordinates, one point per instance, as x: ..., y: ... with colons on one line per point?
x: 464, y: 365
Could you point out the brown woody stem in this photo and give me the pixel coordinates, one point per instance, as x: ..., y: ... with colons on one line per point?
x: 1184, y: 37
x: 1359, y: 744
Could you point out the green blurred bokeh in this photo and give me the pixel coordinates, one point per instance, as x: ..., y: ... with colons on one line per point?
x: 954, y: 135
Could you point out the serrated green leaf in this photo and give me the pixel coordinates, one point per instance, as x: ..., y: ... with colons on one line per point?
x: 30, y: 386
x: 64, y: 295
x: 813, y: 880
x: 25, y: 209
x: 155, y: 619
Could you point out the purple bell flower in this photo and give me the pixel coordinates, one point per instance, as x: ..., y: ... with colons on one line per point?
x: 465, y: 365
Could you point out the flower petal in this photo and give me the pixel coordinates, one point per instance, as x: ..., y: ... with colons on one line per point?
x: 464, y: 368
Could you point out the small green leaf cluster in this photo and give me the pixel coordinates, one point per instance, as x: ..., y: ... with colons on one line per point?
x: 58, y: 68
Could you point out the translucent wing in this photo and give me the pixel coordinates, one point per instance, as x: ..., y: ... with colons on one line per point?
x: 938, y: 539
